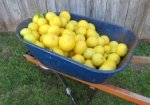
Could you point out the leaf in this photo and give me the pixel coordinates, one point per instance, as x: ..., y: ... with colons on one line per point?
x: 40, y: 15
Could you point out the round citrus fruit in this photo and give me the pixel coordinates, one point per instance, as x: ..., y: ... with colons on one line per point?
x: 82, y: 23
x: 54, y: 30
x: 64, y: 21
x: 106, y: 39
x: 33, y: 26
x: 56, y: 21
x: 30, y: 38
x: 108, y: 65
x: 113, y: 44
x: 80, y: 47
x: 101, y: 41
x: 70, y: 26
x: 92, y: 41
x: 89, y: 63
x: 39, y: 44
x: 107, y: 48
x: 49, y: 15
x: 81, y: 30
x: 66, y: 42
x: 66, y: 15
x: 122, y: 49
x: 41, y: 21
x: 68, y: 32
x: 43, y: 29
x: 91, y: 32
x: 113, y: 50
x: 99, y: 49
x: 58, y: 51
x: 73, y: 22
x: 79, y: 37
x: 50, y: 40
x: 35, y: 18
x: 114, y: 57
x: 97, y: 59
x: 41, y: 38
x: 91, y: 26
x: 36, y: 35
x: 89, y: 53
x: 79, y: 58
x: 25, y: 31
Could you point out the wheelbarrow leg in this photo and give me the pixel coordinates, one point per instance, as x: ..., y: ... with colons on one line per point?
x: 67, y: 89
x: 90, y: 92
x: 90, y: 95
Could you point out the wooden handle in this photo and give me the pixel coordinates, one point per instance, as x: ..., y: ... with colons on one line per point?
x: 34, y: 61
x: 141, y: 59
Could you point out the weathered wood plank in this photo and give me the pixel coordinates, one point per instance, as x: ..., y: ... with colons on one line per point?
x: 72, y: 6
x: 3, y: 21
x: 13, y: 14
x: 23, y: 5
x: 140, y: 16
x: 50, y: 5
x: 32, y: 7
x: 111, y: 10
x: 62, y: 5
x: 100, y: 9
x: 89, y: 10
x: 122, y: 12
x: 145, y: 30
x: 80, y: 7
x: 42, y: 4
x: 131, y: 14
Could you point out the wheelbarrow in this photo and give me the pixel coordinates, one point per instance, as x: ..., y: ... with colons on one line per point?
x: 47, y: 60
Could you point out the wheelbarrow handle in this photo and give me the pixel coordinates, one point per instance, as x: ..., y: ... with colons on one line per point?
x: 141, y: 59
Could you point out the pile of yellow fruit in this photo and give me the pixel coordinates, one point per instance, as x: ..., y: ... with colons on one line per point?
x: 77, y: 40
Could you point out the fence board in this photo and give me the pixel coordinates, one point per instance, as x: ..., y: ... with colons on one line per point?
x: 31, y: 6
x: 122, y: 12
x: 89, y: 11
x: 50, y: 5
x: 3, y: 21
x: 13, y: 13
x: 80, y: 7
x: 62, y: 5
x: 111, y: 10
x: 145, y: 32
x: 43, y: 5
x: 132, y: 14
x: 100, y: 8
x: 140, y: 16
x: 72, y: 6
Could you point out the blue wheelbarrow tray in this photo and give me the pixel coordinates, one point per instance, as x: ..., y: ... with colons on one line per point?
x: 72, y: 68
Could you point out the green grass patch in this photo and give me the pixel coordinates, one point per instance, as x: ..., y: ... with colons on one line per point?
x: 21, y: 83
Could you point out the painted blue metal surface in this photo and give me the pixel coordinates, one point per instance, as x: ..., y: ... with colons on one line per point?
x: 67, y: 66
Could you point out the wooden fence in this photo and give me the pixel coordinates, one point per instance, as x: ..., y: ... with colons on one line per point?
x: 132, y: 14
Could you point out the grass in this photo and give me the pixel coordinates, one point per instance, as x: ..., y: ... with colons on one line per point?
x: 22, y: 84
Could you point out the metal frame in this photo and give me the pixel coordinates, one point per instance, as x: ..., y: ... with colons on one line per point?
x: 116, y: 91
